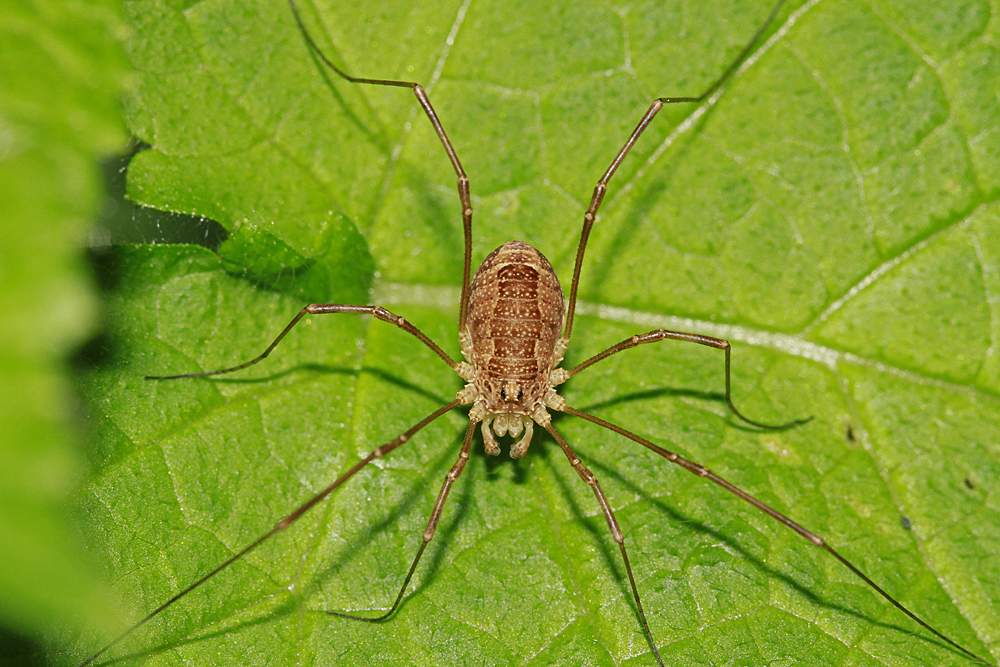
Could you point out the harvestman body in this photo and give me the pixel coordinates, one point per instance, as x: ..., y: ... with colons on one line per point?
x: 515, y: 326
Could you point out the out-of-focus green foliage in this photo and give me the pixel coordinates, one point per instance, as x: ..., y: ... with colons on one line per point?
x: 62, y: 74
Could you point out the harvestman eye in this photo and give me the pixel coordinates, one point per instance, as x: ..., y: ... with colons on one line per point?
x: 514, y: 328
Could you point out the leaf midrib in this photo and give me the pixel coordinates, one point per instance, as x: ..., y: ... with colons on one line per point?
x: 392, y: 294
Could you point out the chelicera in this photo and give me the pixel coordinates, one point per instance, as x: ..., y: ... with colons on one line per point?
x: 515, y: 326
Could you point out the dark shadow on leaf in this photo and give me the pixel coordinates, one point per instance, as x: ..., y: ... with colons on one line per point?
x: 403, y: 507
x: 120, y: 221
x: 332, y: 83
x: 593, y: 523
x: 495, y: 463
x: 331, y: 370
x: 602, y: 538
x: 652, y: 191
x: 673, y: 514
x: 16, y: 650
x: 286, y: 608
x: 443, y: 537
x: 648, y: 394
x: 293, y: 603
x: 99, y: 350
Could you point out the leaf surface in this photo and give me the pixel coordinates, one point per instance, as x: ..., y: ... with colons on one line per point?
x: 833, y: 214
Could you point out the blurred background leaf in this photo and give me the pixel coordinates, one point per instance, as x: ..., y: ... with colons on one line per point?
x: 62, y: 73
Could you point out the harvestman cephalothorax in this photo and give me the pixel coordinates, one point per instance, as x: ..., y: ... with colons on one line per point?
x: 515, y: 327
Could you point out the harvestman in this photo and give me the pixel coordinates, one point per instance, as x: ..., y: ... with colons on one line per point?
x: 514, y: 328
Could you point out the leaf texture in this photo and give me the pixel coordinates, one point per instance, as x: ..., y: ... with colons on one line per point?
x: 833, y: 213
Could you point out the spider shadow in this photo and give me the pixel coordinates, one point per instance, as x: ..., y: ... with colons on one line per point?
x: 267, y: 616
x: 661, y: 392
x: 494, y: 464
x: 598, y: 536
x: 399, y: 508
x: 463, y: 495
x: 378, y: 373
x: 543, y: 447
x: 21, y: 650
x: 424, y: 185
x: 431, y: 566
x: 605, y: 471
x: 709, y: 396
x: 643, y: 205
x: 407, y: 504
x: 293, y: 603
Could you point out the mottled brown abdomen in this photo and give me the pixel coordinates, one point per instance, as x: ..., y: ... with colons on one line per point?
x: 516, y: 310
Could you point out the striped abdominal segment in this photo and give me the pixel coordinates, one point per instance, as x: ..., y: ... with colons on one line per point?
x: 515, y: 319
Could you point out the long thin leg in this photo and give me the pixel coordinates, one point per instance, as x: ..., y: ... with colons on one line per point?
x: 609, y: 516
x: 602, y: 185
x: 425, y: 104
x: 284, y: 523
x: 664, y: 334
x: 325, y: 309
x: 453, y: 474
x: 702, y: 471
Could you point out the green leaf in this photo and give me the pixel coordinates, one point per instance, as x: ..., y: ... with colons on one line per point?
x: 62, y: 71
x: 833, y: 214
